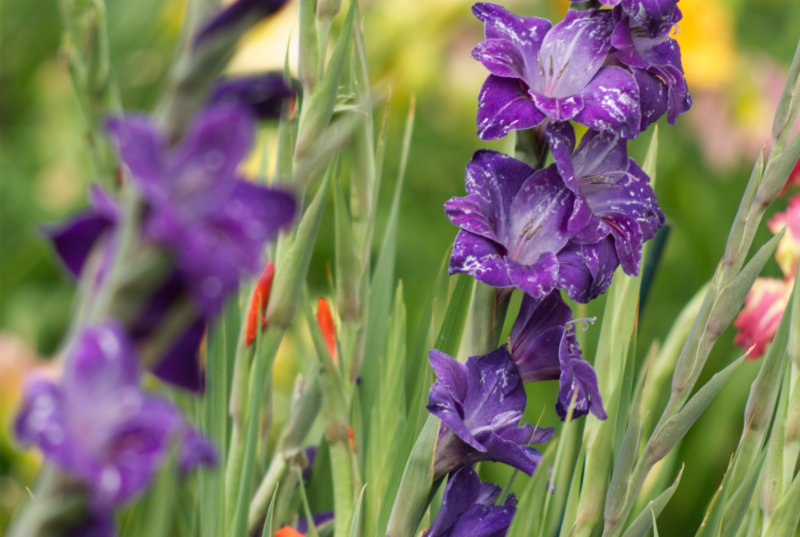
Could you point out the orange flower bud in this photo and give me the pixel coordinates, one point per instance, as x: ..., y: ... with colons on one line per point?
x: 286, y: 531
x: 258, y: 303
x: 325, y: 322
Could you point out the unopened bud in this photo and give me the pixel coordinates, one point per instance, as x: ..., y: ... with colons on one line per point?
x: 258, y: 303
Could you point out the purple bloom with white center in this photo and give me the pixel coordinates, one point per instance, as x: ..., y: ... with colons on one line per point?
x: 235, y: 14
x: 541, y: 71
x: 214, y: 222
x: 614, y: 197
x: 100, y: 426
x: 655, y: 60
x: 468, y: 509
x: 263, y: 94
x: 480, y: 404
x: 543, y: 347
x: 513, y: 223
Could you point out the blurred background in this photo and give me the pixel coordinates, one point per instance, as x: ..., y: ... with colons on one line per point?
x: 735, y: 55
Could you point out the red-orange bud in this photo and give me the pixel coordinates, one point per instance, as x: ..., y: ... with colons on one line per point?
x: 286, y: 531
x: 325, y: 322
x: 258, y: 303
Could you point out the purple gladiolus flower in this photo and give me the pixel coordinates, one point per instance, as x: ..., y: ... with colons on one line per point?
x: 214, y: 222
x: 480, y: 404
x: 614, y: 197
x: 543, y: 347
x: 541, y: 71
x: 520, y: 228
x: 467, y: 508
x: 100, y: 426
x: 513, y: 223
x: 655, y: 60
x: 263, y: 94
x: 237, y: 12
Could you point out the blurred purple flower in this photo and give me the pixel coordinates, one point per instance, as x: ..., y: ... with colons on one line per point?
x: 75, y: 239
x: 542, y: 71
x: 234, y: 14
x: 100, y: 426
x: 263, y: 94
x: 214, y: 222
x: 480, y: 404
x: 467, y: 509
x: 543, y: 347
x: 614, y: 197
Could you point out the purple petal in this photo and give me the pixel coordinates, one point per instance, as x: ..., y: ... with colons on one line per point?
x: 75, y: 240
x: 216, y: 143
x: 263, y: 94
x: 513, y: 454
x: 180, y: 364
x: 536, y: 336
x: 195, y: 451
x: 536, y: 279
x: 587, y: 270
x: 538, y: 217
x: 526, y: 33
x: 573, y: 51
x: 558, y: 108
x: 492, y: 181
x: 460, y: 494
x: 653, y: 95
x: 504, y: 104
x: 656, y: 17
x: 264, y: 211
x: 485, y: 520
x: 133, y: 451
x: 40, y: 421
x: 611, y: 102
x: 235, y: 14
x: 500, y: 57
x: 483, y: 259
x: 143, y: 150
x: 481, y: 422
x: 582, y: 379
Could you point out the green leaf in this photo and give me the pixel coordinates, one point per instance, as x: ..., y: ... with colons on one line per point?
x: 642, y: 523
x: 382, y: 285
x: 318, y: 108
x: 268, y: 522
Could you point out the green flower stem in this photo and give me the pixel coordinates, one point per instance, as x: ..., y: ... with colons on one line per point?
x: 59, y: 504
x: 344, y: 467
x: 302, y: 416
x: 241, y: 457
x: 85, y: 46
x: 266, y: 490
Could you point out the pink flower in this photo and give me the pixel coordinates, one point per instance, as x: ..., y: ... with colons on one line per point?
x: 762, y: 312
x: 788, y: 251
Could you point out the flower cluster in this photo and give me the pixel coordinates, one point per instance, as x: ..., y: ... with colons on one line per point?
x: 564, y: 227
x: 165, y: 261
